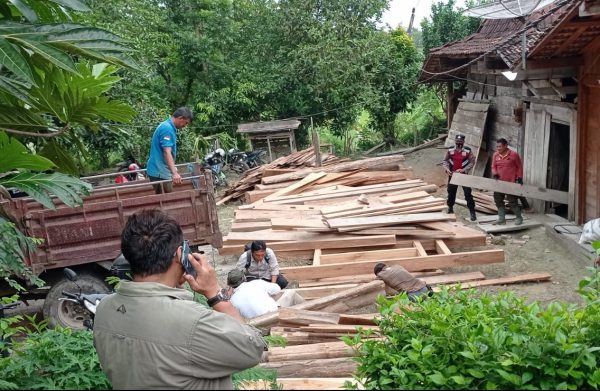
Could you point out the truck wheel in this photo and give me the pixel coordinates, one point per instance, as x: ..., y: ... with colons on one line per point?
x: 66, y: 313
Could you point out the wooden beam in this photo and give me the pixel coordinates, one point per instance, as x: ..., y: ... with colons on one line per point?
x: 317, y: 257
x: 296, y: 187
x: 530, y: 277
x: 310, y: 352
x: 441, y: 248
x: 306, y: 317
x: 381, y: 221
x: 411, y: 264
x: 301, y: 383
x: 335, y: 243
x: 555, y: 62
x: 539, y: 193
x: 332, y: 367
x: 360, y: 256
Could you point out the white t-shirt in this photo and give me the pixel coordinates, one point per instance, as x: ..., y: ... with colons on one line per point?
x: 253, y: 298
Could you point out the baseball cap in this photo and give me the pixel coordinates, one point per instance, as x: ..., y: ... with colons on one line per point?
x: 459, y: 137
x: 236, y: 277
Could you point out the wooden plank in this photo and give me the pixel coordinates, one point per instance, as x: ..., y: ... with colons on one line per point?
x: 413, y: 233
x: 322, y: 291
x: 441, y: 248
x: 335, y: 328
x: 299, y: 223
x: 411, y: 264
x: 335, y: 243
x: 317, y: 257
x: 381, y: 221
x: 529, y: 277
x: 420, y: 249
x: 301, y: 383
x: 271, y: 318
x: 360, y: 278
x: 310, y: 352
x: 249, y: 226
x: 540, y: 193
x: 368, y: 256
x: 333, y: 367
x: 311, y: 178
x: 509, y: 226
x: 306, y: 317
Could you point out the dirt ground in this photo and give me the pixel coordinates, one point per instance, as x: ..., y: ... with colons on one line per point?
x: 526, y: 251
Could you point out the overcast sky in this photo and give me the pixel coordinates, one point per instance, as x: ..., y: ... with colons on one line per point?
x: 400, y: 10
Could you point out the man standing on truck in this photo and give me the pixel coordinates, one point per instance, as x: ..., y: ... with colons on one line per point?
x: 163, y: 150
x: 151, y: 334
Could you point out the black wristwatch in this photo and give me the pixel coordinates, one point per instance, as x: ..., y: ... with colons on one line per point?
x: 221, y: 296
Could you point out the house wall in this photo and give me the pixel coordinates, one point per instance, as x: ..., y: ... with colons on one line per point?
x: 589, y: 129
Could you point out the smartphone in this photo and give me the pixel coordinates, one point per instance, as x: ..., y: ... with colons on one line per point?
x: 189, y: 269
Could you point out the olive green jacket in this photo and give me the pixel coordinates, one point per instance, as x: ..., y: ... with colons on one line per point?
x: 151, y: 336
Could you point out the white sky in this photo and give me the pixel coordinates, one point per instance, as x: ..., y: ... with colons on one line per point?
x: 400, y: 10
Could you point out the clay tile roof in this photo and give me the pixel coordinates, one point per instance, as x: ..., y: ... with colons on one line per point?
x: 500, y: 37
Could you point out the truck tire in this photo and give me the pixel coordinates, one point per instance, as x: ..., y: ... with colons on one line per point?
x: 66, y: 313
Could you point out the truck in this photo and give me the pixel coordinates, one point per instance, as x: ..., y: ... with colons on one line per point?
x: 87, y: 238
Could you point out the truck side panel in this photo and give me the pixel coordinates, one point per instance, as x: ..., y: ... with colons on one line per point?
x: 91, y: 233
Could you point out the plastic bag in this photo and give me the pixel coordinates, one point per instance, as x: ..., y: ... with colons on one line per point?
x: 591, y: 231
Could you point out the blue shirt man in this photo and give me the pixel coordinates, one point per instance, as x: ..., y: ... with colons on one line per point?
x: 163, y: 150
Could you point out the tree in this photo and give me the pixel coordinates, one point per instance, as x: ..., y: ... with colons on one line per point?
x: 447, y: 24
x: 44, y: 94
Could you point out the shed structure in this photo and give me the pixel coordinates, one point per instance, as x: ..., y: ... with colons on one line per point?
x: 277, y: 137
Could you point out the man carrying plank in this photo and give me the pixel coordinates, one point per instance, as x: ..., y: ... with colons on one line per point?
x: 459, y: 159
x: 400, y: 280
x: 507, y: 166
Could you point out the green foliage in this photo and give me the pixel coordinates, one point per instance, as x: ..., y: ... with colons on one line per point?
x: 447, y: 24
x: 265, y: 378
x: 470, y: 340
x: 276, y: 340
x: 13, y: 248
x: 54, y: 359
x: 424, y: 116
x: 9, y: 326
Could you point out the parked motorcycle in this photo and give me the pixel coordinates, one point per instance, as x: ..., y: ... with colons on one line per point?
x: 236, y: 161
x: 215, y: 161
x: 255, y: 158
x: 128, y: 168
x: 87, y: 303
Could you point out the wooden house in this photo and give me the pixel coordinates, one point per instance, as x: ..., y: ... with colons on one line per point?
x: 535, y: 81
x: 276, y: 137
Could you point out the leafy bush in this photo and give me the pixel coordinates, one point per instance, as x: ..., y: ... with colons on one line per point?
x: 465, y: 340
x: 425, y: 116
x: 54, y: 359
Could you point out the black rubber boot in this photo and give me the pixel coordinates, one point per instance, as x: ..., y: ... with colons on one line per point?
x: 473, y: 215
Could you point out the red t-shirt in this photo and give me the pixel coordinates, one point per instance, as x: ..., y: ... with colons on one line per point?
x: 457, y: 160
x: 508, y: 167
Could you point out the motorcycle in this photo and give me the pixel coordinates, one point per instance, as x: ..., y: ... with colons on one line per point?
x: 236, y: 161
x: 128, y: 169
x: 214, y: 161
x: 254, y: 158
x: 88, y: 302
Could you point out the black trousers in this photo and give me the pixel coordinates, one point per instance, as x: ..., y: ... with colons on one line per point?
x: 452, y: 196
x: 281, y: 280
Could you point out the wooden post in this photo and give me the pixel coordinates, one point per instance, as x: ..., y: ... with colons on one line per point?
x: 450, y: 103
x: 269, y: 146
x: 316, y: 144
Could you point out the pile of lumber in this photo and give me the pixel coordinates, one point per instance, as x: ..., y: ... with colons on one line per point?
x: 312, y: 329
x: 483, y: 203
x: 288, y: 169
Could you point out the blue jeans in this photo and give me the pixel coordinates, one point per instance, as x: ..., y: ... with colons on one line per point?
x: 412, y: 296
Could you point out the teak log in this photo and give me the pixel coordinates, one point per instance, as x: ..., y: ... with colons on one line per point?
x: 331, y: 367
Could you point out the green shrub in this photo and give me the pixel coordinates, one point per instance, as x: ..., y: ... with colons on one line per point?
x: 469, y: 340
x: 54, y: 359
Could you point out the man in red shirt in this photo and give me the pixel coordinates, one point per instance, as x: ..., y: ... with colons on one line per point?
x: 507, y: 166
x: 459, y: 159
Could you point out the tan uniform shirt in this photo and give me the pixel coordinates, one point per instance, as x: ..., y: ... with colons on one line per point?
x: 399, y: 279
x: 262, y: 269
x: 151, y: 336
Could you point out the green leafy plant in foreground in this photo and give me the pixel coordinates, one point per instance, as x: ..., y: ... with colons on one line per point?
x: 54, y: 359
x: 464, y: 340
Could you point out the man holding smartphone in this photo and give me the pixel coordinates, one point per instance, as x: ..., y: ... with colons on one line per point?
x: 150, y: 334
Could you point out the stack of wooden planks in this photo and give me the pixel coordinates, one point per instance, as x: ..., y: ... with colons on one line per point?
x: 288, y: 169
x: 484, y: 202
x: 312, y: 329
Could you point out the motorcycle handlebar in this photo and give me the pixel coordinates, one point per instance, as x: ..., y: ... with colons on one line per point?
x: 70, y: 295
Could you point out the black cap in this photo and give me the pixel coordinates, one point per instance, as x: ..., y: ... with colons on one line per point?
x: 459, y: 137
